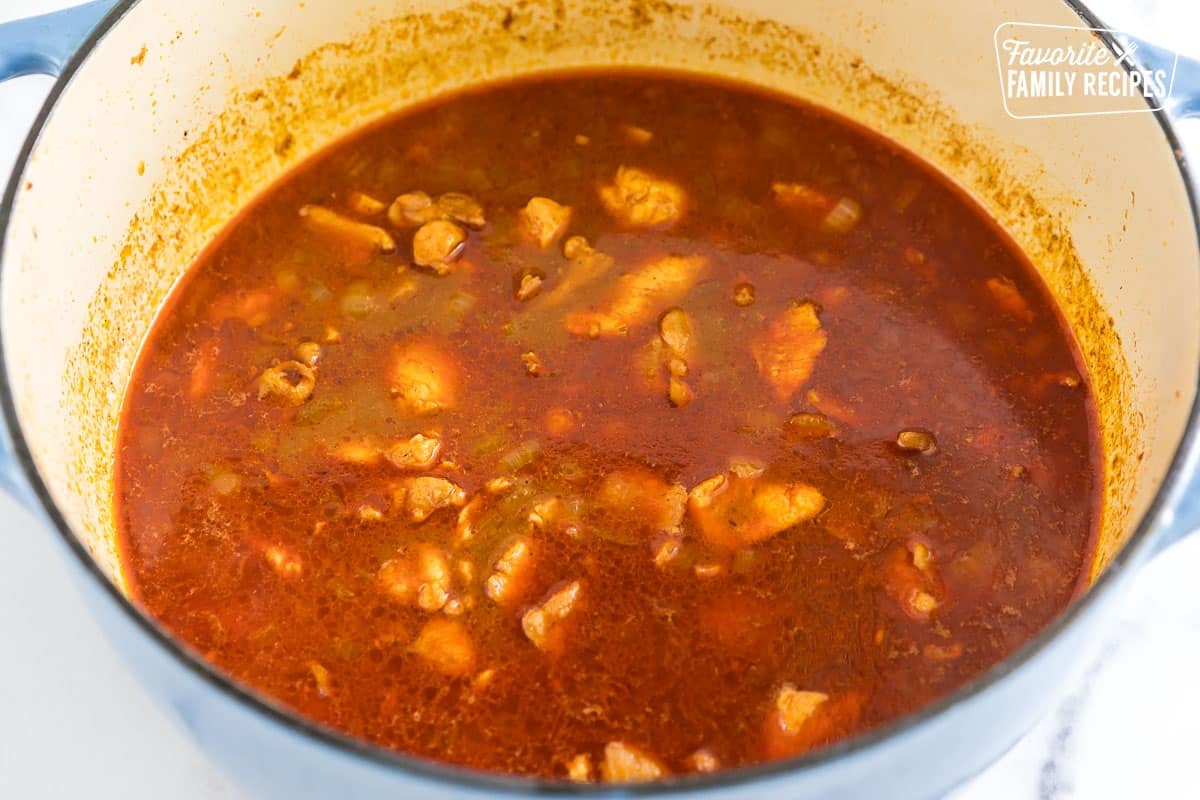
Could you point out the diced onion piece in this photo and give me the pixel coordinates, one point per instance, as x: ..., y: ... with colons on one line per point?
x: 743, y: 295
x: 361, y: 203
x: 843, y: 217
x: 916, y: 441
x: 1009, y: 297
x: 806, y: 425
x: 520, y: 456
x: 704, y: 760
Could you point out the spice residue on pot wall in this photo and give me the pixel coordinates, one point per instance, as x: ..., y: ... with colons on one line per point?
x: 265, y: 129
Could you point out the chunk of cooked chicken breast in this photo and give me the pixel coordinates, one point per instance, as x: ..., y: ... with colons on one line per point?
x: 422, y: 378
x: 639, y: 296
x: 446, y: 646
x: 421, y: 496
x: 646, y: 499
x: 624, y: 763
x: 543, y: 623
x: 419, y: 577
x: 641, y: 199
x: 544, y: 221
x: 786, y: 352
x: 733, y: 511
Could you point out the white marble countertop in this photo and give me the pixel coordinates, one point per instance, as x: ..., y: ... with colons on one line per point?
x: 1128, y: 728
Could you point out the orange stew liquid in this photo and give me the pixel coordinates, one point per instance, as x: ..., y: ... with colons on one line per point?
x: 608, y: 426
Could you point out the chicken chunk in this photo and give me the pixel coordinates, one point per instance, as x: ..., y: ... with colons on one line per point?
x: 511, y: 572
x: 544, y: 221
x: 912, y: 582
x: 446, y: 646
x: 543, y: 624
x: 666, y: 550
x: 528, y: 287
x: 424, y: 495
x: 577, y: 247
x: 308, y: 353
x: 801, y: 720
x: 679, y: 393
x: 640, y: 199
x: 793, y: 707
x: 290, y: 381
x: 559, y: 515
x: 646, y: 500
x: 636, y: 297
x: 464, y: 525
x: 417, y: 452
x: 412, y: 209
x: 786, y: 352
x: 743, y: 295
x: 579, y: 768
x: 587, y: 265
x: 461, y: 208
x: 420, y: 577
x: 287, y: 564
x: 546, y: 512
x: 704, y: 760
x: 624, y: 763
x: 734, y: 511
x: 422, y: 378
x: 437, y: 244
x: 533, y: 364
x: 347, y: 230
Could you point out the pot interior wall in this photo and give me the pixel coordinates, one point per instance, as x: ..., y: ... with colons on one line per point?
x: 185, y: 111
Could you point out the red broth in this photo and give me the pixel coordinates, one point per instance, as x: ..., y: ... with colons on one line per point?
x: 751, y: 434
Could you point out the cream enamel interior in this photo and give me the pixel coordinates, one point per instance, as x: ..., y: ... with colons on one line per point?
x: 184, y: 111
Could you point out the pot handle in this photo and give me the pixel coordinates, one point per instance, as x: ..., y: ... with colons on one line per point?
x: 42, y: 45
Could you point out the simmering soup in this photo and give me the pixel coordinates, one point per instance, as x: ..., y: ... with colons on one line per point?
x: 608, y: 426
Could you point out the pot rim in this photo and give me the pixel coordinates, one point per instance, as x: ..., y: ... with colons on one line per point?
x: 1139, y: 544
